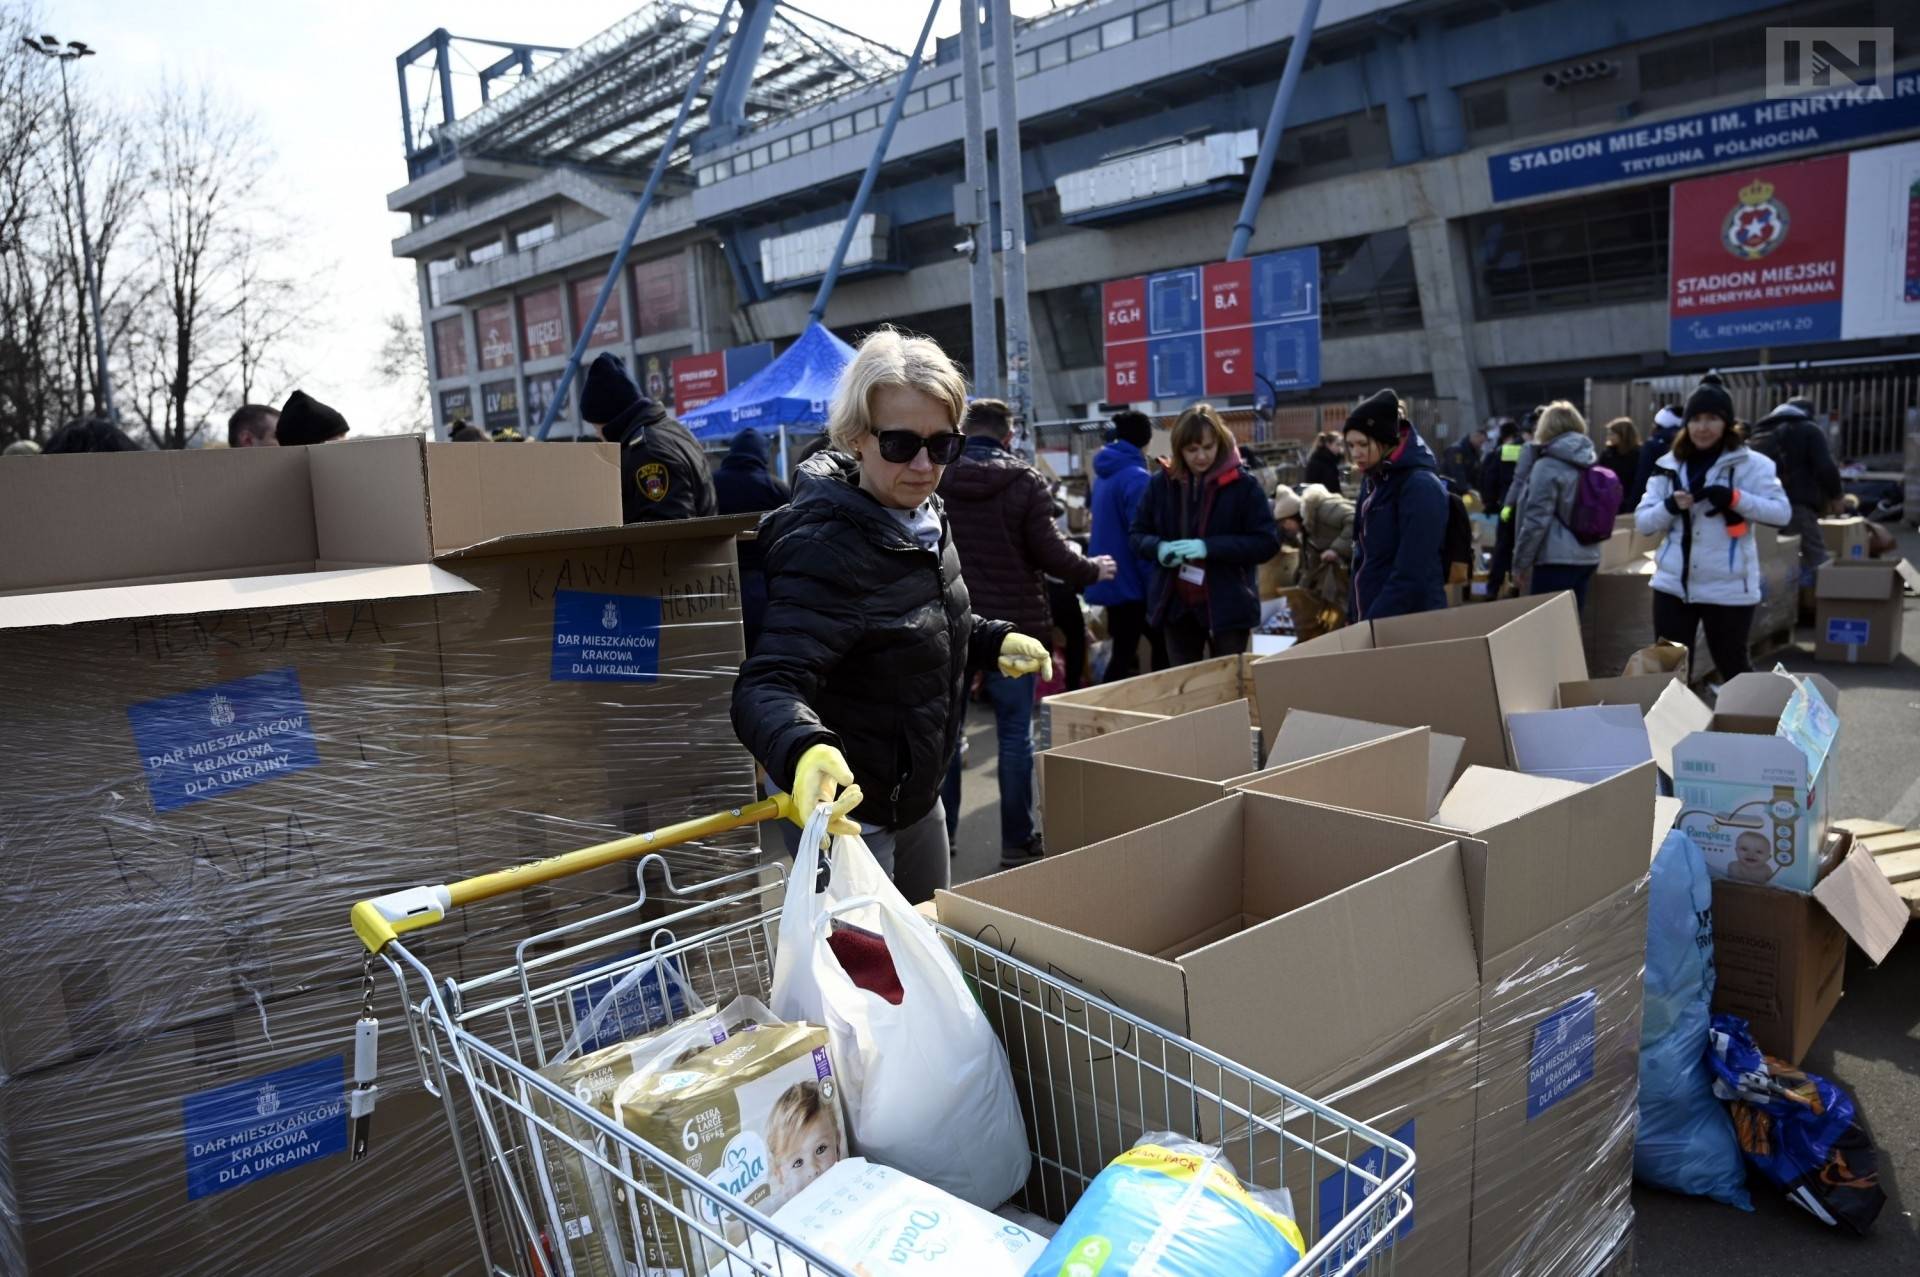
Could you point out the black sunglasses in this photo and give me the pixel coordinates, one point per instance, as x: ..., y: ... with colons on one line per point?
x: 899, y: 446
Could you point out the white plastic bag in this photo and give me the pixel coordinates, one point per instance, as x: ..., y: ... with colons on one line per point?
x: 927, y: 1089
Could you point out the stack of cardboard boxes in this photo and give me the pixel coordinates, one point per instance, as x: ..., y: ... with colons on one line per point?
x: 1452, y: 956
x: 241, y: 690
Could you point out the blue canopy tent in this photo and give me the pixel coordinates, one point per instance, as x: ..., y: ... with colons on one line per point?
x: 792, y: 391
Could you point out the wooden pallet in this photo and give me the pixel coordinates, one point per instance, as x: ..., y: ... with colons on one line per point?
x: 1763, y: 646
x: 1896, y: 851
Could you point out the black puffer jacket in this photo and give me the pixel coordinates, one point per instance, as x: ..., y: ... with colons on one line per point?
x: 867, y: 645
x: 1798, y: 448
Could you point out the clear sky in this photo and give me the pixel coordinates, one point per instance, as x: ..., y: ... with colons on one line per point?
x: 320, y: 76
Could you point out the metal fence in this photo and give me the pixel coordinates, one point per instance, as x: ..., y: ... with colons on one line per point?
x: 1869, y: 406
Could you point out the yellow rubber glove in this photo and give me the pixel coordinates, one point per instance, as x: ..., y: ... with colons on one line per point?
x: 1506, y: 514
x: 818, y: 778
x: 1022, y: 655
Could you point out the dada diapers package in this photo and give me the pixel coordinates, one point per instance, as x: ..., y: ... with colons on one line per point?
x: 880, y: 1222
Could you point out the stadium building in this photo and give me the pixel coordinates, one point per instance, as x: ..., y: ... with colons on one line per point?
x: 1491, y: 187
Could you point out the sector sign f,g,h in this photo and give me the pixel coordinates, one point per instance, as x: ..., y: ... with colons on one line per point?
x: 1224, y: 328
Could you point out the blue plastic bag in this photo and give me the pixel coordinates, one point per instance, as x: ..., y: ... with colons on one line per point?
x: 1685, y: 1142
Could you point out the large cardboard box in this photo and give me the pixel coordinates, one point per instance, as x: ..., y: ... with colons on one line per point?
x: 1146, y: 698
x: 1753, y: 773
x: 1859, y: 613
x: 1846, y: 539
x: 1233, y: 924
x: 1457, y: 671
x: 222, y: 1147
x: 1780, y: 957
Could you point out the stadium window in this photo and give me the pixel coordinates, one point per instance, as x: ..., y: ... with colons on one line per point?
x: 986, y: 78
x: 762, y: 156
x: 1117, y: 32
x: 779, y: 149
x: 916, y: 102
x: 1052, y: 54
x: 1084, y: 44
x: 486, y: 252
x: 1151, y: 19
x: 822, y: 134
x: 1073, y: 316
x: 1025, y: 64
x: 1485, y: 108
x: 1367, y: 284
x: 843, y: 128
x: 532, y: 236
x: 437, y: 270
x: 1585, y: 252
x: 1218, y: 5
x: 1188, y: 10
x: 866, y: 120
x: 801, y: 142
x: 939, y: 94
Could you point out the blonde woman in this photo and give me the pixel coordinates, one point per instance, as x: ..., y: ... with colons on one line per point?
x: 869, y: 640
x: 1547, y: 556
x: 1208, y: 526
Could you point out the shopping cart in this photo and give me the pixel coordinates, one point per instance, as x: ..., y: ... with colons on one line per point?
x: 1091, y: 1078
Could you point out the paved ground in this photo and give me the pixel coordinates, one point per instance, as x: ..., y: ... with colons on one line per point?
x: 1871, y: 1045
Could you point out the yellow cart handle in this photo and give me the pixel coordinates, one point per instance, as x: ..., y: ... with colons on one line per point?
x: 384, y: 918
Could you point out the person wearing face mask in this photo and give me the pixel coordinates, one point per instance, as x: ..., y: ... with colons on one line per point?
x: 1702, y: 499
x: 856, y: 691
x: 1400, y: 519
x: 1207, y: 525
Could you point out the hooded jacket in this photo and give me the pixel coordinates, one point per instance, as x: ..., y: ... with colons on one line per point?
x: 1541, y: 533
x: 1323, y: 468
x: 743, y: 485
x: 1400, y: 528
x: 1326, y: 523
x: 1797, y: 446
x: 1658, y: 443
x: 1238, y: 528
x: 1002, y: 514
x: 1120, y: 480
x: 663, y: 472
x: 867, y: 645
x: 1701, y: 559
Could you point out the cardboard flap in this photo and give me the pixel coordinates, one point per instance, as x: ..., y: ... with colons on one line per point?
x: 480, y: 493
x: 230, y: 594
x: 1486, y: 796
x: 1665, y: 812
x: 1762, y: 696
x: 1909, y: 575
x: 370, y: 501
x: 1859, y: 897
x: 1389, y: 777
x: 1586, y: 744
x: 1810, y: 723
x: 1084, y: 802
x: 1641, y: 690
x: 1417, y: 686
x: 1871, y: 582
x: 1206, y: 744
x: 729, y: 526
x: 1676, y: 715
x: 1478, y: 621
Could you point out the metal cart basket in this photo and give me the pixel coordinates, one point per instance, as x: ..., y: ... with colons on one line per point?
x: 1091, y: 1079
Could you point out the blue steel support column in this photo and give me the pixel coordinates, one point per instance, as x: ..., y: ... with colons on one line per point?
x: 832, y: 276
x: 727, y: 108
x: 443, y: 60
x: 1403, y: 121
x: 1445, y: 116
x: 1270, y: 140
x: 633, y: 226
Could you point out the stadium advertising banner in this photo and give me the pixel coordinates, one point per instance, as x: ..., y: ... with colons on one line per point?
x: 698, y: 380
x: 1792, y: 254
x: 1220, y: 329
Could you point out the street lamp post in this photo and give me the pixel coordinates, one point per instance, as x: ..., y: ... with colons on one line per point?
x: 47, y: 46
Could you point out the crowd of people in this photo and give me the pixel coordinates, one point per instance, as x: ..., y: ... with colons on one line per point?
x: 918, y: 560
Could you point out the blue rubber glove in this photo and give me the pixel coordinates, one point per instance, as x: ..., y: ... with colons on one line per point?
x: 1192, y: 551
x: 1169, y: 553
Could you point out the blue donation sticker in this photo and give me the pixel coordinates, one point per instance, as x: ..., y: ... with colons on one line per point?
x: 1848, y: 632
x: 605, y: 638
x: 217, y: 739
x: 1562, y: 1060
x: 246, y: 1131
x: 1342, y: 1192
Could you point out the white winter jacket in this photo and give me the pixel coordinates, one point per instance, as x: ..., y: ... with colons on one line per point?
x: 1698, y: 560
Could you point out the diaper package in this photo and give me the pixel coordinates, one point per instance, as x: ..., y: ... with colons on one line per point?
x: 758, y: 1115
x: 1173, y: 1208
x: 880, y: 1222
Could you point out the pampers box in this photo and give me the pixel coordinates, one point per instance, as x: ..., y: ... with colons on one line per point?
x: 1753, y: 775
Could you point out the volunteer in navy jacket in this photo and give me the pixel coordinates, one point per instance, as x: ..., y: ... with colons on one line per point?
x: 1703, y: 499
x: 1400, y: 522
x: 1119, y: 481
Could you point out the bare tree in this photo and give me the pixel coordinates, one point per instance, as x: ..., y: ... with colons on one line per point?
x: 402, y: 363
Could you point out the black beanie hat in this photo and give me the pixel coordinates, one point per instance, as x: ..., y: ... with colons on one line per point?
x: 1709, y: 397
x: 608, y: 391
x: 1378, y: 418
x: 1130, y: 425
x: 304, y: 420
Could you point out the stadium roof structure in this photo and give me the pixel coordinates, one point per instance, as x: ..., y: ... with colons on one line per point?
x: 608, y: 103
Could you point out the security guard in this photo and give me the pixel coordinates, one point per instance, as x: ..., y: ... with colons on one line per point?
x: 663, y: 473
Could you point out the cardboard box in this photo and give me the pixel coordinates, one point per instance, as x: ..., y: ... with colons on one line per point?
x: 1753, y: 773
x: 1584, y: 744
x: 1846, y: 539
x: 223, y: 1147
x: 1457, y: 671
x: 1779, y: 608
x: 1618, y: 620
x: 1859, y: 613
x: 1068, y: 717
x: 1780, y: 957
x: 1233, y: 925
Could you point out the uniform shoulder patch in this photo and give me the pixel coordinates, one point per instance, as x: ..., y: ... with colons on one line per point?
x: 653, y: 480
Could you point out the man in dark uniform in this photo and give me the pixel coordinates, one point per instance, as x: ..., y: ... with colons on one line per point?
x: 663, y: 473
